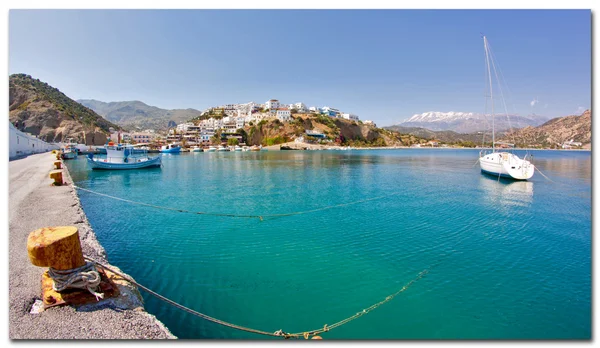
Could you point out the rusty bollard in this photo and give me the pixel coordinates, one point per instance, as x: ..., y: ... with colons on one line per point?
x: 57, y: 176
x: 60, y: 249
x: 57, y: 164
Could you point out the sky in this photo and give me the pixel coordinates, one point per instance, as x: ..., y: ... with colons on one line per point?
x: 382, y: 65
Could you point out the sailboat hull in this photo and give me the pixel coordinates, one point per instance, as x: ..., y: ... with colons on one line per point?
x: 506, y: 165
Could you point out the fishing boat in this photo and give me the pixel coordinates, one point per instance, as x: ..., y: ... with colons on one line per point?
x: 255, y: 148
x: 196, y: 149
x: 69, y: 150
x: 237, y: 148
x: 222, y: 148
x: 210, y: 149
x: 122, y: 156
x: 170, y: 148
x: 245, y: 148
x: 501, y: 163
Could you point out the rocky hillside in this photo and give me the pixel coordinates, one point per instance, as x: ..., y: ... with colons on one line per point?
x: 340, y: 131
x: 469, y: 122
x: 135, y: 115
x: 555, y: 132
x: 40, y: 109
x: 448, y: 137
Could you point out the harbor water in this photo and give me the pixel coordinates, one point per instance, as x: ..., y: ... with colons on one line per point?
x: 505, y: 260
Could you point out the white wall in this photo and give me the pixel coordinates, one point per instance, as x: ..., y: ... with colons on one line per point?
x: 21, y: 144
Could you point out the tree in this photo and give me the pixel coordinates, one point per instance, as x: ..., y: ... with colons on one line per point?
x: 232, y: 141
x: 244, y: 135
x: 294, y: 111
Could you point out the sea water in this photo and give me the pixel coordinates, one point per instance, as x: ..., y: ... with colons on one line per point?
x: 505, y: 260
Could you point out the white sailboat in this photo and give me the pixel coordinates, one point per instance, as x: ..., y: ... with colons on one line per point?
x: 501, y: 163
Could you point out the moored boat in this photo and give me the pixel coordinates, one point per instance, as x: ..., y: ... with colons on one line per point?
x: 501, y: 163
x: 122, y: 156
x: 210, y: 149
x: 196, y: 149
x: 170, y: 148
x: 222, y: 148
x: 69, y: 151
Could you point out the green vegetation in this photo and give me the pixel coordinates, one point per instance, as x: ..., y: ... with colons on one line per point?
x: 244, y: 135
x: 274, y: 141
x: 60, y: 101
x: 233, y: 141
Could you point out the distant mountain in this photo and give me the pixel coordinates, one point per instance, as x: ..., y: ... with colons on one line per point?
x: 469, y: 122
x: 443, y: 136
x: 556, y: 131
x: 135, y: 115
x: 40, y: 109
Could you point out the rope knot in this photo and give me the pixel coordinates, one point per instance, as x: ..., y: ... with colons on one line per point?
x: 84, y: 277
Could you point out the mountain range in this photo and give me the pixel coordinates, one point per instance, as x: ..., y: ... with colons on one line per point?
x: 550, y: 134
x: 555, y: 132
x: 469, y: 122
x: 135, y: 115
x: 42, y: 110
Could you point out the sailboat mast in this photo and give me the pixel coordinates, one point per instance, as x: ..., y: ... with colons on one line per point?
x: 487, y: 59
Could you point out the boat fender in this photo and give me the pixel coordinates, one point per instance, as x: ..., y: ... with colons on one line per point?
x: 125, y: 160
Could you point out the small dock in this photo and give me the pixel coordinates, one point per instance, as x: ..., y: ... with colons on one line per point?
x: 34, y: 203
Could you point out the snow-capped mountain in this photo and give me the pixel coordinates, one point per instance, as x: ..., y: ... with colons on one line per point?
x: 468, y: 122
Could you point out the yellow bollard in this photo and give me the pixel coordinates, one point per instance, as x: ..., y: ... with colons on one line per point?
x: 56, y: 247
x: 59, y: 248
x: 316, y: 338
x: 58, y: 164
x: 57, y: 176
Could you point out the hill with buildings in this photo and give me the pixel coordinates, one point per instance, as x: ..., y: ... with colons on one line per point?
x: 42, y: 110
x: 555, y: 133
x: 136, y: 115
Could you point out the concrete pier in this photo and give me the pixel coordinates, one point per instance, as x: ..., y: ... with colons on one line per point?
x: 35, y: 203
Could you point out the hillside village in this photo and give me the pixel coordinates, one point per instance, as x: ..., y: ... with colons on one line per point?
x: 220, y: 123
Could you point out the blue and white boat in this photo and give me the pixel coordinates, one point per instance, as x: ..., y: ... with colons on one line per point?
x: 170, y: 148
x: 121, y: 156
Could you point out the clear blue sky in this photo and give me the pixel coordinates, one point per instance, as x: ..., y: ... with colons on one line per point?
x: 384, y: 65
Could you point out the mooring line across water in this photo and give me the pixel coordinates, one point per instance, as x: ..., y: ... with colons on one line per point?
x: 261, y: 217
x: 278, y: 333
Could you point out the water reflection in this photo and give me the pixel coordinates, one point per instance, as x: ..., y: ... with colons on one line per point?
x: 506, y: 193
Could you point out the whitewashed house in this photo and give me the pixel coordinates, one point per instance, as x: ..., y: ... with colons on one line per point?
x: 300, y: 107
x: 370, y: 123
x: 283, y: 115
x: 272, y: 104
x: 350, y: 116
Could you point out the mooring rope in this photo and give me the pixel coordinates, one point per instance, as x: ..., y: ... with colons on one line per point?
x: 84, y: 277
x: 538, y: 169
x: 261, y: 217
x: 278, y: 333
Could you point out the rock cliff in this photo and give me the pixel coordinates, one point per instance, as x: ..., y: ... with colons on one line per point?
x: 42, y: 110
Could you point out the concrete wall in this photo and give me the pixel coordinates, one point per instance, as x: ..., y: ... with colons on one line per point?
x: 22, y: 144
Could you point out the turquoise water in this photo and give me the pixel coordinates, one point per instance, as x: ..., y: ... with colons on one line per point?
x: 506, y: 260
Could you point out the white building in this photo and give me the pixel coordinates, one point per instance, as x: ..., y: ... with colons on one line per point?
x: 240, y: 122
x: 284, y: 115
x: 184, y: 126
x: 350, y: 117
x: 314, y: 109
x: 272, y: 104
x: 23, y: 144
x: 300, y: 107
x: 370, y: 123
x: 143, y: 137
x: 332, y: 112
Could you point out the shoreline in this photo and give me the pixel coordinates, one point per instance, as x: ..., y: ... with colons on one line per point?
x: 314, y: 147
x: 31, y: 192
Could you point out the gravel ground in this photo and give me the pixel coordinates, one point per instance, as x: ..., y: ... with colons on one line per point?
x: 34, y: 203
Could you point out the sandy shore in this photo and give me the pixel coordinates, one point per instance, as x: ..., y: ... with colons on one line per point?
x: 34, y: 203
